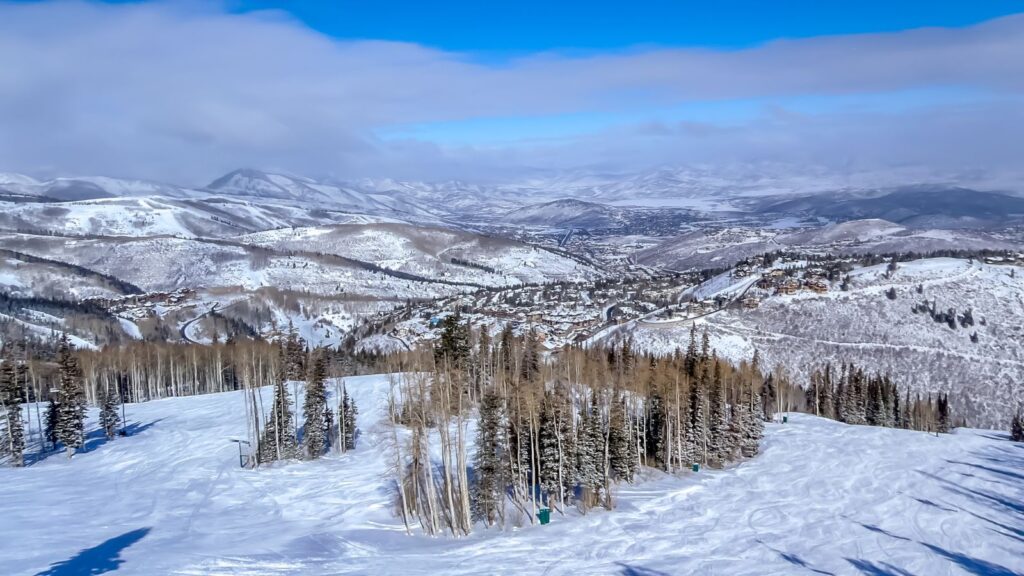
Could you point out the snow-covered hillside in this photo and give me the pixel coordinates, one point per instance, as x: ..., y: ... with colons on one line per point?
x: 985, y: 378
x: 256, y: 185
x: 22, y: 278
x: 89, y: 187
x: 567, y: 213
x: 437, y: 253
x: 822, y: 497
x: 166, y: 264
x: 712, y: 248
x: 154, y: 216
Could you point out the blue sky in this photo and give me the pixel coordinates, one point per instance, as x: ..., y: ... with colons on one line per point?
x: 185, y: 90
x: 531, y: 25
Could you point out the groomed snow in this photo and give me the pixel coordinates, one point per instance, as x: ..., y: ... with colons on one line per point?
x: 822, y: 498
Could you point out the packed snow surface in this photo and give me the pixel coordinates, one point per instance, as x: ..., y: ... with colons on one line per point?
x: 822, y: 498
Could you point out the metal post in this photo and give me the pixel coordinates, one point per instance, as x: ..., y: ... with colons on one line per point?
x: 241, y: 461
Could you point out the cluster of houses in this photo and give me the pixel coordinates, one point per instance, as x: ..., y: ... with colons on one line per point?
x: 780, y: 282
x: 139, y: 306
x: 559, y: 314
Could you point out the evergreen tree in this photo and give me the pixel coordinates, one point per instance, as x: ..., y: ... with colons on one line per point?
x: 622, y: 460
x: 52, y: 410
x: 278, y: 441
x: 294, y: 355
x: 718, y: 422
x: 697, y: 429
x: 944, y: 418
x: 1017, y: 427
x: 755, y: 431
x: 316, y: 430
x: 70, y: 418
x: 109, y: 418
x: 690, y: 360
x: 13, y: 437
x: 453, y: 348
x: 590, y: 454
x: 553, y: 470
x: 489, y: 472
x: 347, y: 415
x: 654, y: 433
x: 529, y: 365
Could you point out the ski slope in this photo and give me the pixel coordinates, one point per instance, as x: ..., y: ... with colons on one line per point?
x: 822, y: 498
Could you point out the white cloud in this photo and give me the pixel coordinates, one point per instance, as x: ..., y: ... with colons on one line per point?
x: 184, y: 92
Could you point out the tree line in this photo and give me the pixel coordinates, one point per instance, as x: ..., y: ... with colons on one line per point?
x: 556, y: 432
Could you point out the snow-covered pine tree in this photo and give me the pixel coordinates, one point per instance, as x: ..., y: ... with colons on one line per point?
x: 1017, y: 427
x: 718, y: 423
x: 453, y: 349
x: 589, y: 455
x: 550, y: 440
x: 294, y: 354
x: 697, y: 430
x: 690, y: 360
x: 907, y: 417
x: 109, y: 418
x: 490, y: 478
x: 752, y: 427
x: 621, y: 453
x: 52, y: 410
x: 654, y: 432
x: 873, y: 403
x: 70, y: 424
x: 840, y: 399
x: 13, y: 436
x: 529, y: 365
x: 315, y: 431
x: 944, y: 418
x: 347, y: 417
x: 278, y: 441
x: 854, y: 400
x: 740, y: 419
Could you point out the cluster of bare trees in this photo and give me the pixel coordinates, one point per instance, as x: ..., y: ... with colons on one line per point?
x: 555, y: 430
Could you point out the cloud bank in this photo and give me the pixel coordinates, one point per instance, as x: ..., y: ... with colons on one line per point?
x: 184, y: 92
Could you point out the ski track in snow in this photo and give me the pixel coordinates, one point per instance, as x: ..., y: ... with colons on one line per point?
x: 822, y: 498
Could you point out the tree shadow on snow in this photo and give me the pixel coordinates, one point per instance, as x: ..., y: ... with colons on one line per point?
x: 794, y: 559
x: 880, y: 569
x: 93, y: 440
x: 105, y: 557
x: 880, y: 530
x: 628, y: 570
x: 98, y: 437
x: 928, y: 502
x: 970, y: 565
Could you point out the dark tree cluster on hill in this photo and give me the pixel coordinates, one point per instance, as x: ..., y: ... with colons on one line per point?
x: 560, y: 430
x: 854, y: 396
x: 1017, y: 427
x: 13, y: 392
x: 948, y: 316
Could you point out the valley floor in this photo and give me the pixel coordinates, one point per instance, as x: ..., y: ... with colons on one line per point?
x: 822, y: 498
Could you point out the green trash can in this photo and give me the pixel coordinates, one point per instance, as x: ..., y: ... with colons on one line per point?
x: 544, y: 515
x: 696, y: 467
